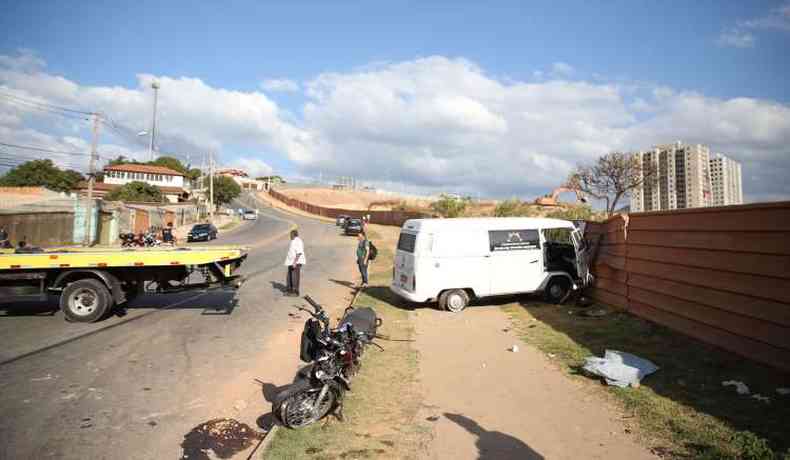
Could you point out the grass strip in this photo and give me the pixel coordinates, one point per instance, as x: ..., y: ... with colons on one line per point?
x: 683, y: 410
x: 381, y: 409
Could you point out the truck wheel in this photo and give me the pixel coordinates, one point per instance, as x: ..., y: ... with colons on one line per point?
x: 85, y: 301
x: 557, y: 290
x: 454, y: 300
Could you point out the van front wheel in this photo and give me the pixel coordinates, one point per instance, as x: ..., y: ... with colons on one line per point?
x: 454, y: 300
x: 557, y: 290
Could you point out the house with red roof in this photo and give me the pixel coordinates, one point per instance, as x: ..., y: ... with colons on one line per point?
x: 171, y: 182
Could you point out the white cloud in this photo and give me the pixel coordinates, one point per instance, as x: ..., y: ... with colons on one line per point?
x: 434, y: 123
x: 742, y: 36
x: 254, y: 167
x: 736, y: 38
x: 561, y: 69
x: 277, y: 84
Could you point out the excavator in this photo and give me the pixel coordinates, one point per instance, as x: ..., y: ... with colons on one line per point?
x: 551, y: 198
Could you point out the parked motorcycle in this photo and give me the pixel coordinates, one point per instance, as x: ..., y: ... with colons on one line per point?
x: 128, y: 240
x: 333, y: 357
x: 150, y: 240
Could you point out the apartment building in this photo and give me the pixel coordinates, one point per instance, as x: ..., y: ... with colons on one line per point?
x: 725, y: 179
x: 682, y: 178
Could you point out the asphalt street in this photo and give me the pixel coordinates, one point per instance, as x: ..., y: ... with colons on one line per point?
x: 133, y: 386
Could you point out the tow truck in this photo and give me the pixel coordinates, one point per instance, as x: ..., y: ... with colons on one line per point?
x: 90, y: 282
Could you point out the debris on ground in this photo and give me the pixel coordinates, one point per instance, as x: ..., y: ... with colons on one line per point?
x: 783, y: 391
x: 761, y: 398
x: 740, y: 387
x: 620, y: 369
x: 594, y: 313
x: 514, y: 349
x: 225, y: 437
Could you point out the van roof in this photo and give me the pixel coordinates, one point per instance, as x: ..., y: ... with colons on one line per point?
x: 485, y: 223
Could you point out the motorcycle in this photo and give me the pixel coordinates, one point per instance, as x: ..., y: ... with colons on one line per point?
x: 333, y: 357
x: 150, y: 240
x: 128, y: 240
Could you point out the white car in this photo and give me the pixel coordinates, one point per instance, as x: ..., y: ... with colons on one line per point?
x: 250, y: 215
x: 453, y: 261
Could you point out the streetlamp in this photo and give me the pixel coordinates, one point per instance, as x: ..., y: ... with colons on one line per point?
x: 155, y: 87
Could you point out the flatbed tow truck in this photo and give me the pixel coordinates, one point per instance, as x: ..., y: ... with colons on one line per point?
x: 92, y: 281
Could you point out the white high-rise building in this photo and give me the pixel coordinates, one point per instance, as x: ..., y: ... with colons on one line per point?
x: 682, y: 178
x: 725, y: 178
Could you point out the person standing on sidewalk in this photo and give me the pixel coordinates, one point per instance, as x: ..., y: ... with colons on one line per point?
x: 363, y: 257
x: 294, y: 261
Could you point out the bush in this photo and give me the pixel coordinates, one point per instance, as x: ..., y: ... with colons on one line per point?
x: 579, y: 212
x: 449, y: 206
x: 136, y: 191
x: 751, y: 447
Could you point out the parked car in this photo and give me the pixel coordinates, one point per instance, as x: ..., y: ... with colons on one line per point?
x: 453, y: 261
x: 341, y: 220
x: 202, y: 232
x: 353, y: 226
x: 250, y: 215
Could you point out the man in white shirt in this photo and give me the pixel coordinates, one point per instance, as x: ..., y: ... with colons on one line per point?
x: 294, y: 261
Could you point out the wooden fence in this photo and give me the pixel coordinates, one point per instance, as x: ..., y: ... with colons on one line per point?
x: 721, y: 275
x: 396, y: 218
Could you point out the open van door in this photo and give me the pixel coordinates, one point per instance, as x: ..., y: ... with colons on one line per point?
x: 582, y: 257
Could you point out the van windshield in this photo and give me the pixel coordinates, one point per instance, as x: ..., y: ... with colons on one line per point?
x: 557, y: 235
x: 406, y: 242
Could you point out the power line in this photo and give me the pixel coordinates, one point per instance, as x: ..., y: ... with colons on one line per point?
x: 44, y: 104
x: 40, y: 149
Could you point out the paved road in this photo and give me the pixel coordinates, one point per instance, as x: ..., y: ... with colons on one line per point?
x: 134, y: 386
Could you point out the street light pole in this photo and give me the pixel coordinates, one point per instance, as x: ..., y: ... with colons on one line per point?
x: 155, y: 86
x: 88, y: 241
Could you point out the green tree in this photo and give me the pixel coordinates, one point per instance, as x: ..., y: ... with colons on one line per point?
x: 225, y: 190
x: 136, y: 191
x: 450, y: 206
x: 170, y: 162
x: 41, y: 173
x: 275, y: 179
x: 193, y: 174
x: 121, y: 160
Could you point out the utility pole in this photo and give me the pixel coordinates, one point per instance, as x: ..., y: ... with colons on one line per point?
x: 91, y: 179
x: 155, y: 86
x: 211, y: 185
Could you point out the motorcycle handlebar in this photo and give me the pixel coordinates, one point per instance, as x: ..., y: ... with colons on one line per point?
x: 312, y: 302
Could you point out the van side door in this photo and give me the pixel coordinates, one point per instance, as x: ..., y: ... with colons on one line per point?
x: 515, y: 261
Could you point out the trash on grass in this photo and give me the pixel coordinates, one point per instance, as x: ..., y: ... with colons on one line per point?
x: 740, y: 387
x: 761, y: 398
x: 620, y: 369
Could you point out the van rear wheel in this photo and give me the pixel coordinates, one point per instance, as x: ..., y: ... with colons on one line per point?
x: 454, y: 300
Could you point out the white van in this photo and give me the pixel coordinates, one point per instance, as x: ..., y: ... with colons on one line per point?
x: 455, y: 260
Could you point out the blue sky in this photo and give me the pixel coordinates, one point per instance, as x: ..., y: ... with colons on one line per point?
x: 722, y: 51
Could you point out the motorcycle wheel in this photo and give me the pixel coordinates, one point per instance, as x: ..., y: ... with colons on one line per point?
x: 296, y: 410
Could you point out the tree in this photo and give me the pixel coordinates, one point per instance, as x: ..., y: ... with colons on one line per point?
x: 41, y: 173
x: 170, y: 162
x: 450, y: 206
x: 610, y: 178
x: 274, y: 179
x: 120, y: 160
x: 225, y: 190
x: 136, y: 191
x: 513, y: 208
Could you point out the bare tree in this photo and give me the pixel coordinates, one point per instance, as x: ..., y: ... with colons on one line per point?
x: 610, y: 178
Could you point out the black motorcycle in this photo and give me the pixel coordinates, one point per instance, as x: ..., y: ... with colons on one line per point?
x: 128, y: 240
x: 333, y: 356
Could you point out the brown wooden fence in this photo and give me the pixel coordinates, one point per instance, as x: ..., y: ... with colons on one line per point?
x: 396, y: 218
x: 721, y: 275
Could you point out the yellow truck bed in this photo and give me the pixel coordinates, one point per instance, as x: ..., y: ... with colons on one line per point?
x: 116, y: 257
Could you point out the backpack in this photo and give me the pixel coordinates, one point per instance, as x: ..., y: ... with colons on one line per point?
x: 373, y: 251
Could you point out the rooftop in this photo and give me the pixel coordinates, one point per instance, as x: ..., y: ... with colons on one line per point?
x: 150, y: 169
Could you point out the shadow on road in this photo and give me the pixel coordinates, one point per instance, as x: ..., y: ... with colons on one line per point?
x: 279, y: 286
x: 494, y: 444
x: 347, y: 284
x: 211, y: 302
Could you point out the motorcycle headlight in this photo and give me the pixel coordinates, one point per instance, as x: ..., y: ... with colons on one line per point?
x: 319, y: 374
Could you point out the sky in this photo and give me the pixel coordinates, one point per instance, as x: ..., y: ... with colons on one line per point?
x: 490, y: 99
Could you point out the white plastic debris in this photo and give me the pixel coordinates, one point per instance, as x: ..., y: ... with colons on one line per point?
x: 740, y: 387
x: 514, y: 348
x: 761, y: 398
x: 619, y: 368
x: 783, y: 391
